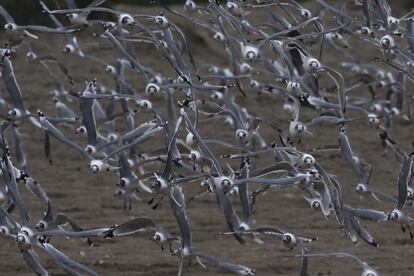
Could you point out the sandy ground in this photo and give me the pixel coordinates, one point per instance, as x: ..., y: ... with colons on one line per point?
x: 89, y: 199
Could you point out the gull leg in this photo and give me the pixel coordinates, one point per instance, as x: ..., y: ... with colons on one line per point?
x: 152, y: 199
x: 158, y: 203
x: 409, y: 230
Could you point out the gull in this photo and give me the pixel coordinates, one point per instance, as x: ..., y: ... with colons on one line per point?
x: 80, y: 18
x: 289, y: 240
x: 19, y: 110
x: 52, y: 130
x: 72, y: 45
x: 367, y: 270
x: 398, y: 214
x: 17, y: 30
x: 178, y: 208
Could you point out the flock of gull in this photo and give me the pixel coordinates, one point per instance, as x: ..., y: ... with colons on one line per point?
x: 280, y: 58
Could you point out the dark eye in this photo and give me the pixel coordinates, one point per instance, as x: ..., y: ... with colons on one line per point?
x: 157, y: 184
x: 20, y: 238
x: 41, y: 225
x: 359, y: 188
x: 251, y: 55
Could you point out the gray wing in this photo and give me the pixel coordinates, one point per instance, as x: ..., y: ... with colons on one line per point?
x: 62, y: 219
x: 244, y: 195
x: 281, y: 182
x: 348, y: 154
x: 138, y: 131
x: 238, y: 269
x: 51, y: 16
x: 384, y: 11
x: 88, y: 117
x: 125, y: 169
x: 48, y: 217
x: 10, y: 179
x: 340, y: 255
x: 20, y: 155
x: 8, y: 218
x: 33, y: 263
x: 64, y: 111
x: 138, y: 140
x: 7, y: 17
x: 257, y: 153
x: 232, y: 219
x: 304, y: 263
x: 365, y: 9
x: 11, y: 84
x: 73, y: 234
x: 66, y: 261
x: 328, y: 198
x: 340, y: 84
x: 168, y: 38
x: 266, y: 230
x: 171, y: 150
x: 328, y: 120
x: 362, y: 232
x: 44, y: 29
x: 404, y: 180
x: 333, y: 10
x: 180, y: 264
x: 130, y: 227
x: 34, y: 187
x: 201, y: 142
x: 269, y: 230
x: 410, y: 36
x: 178, y: 208
x: 382, y: 196
x: 121, y: 49
x: 282, y: 165
x: 222, y: 143
x: 367, y: 214
x: 52, y: 130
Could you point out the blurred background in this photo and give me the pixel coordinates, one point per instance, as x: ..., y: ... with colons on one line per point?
x: 29, y: 12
